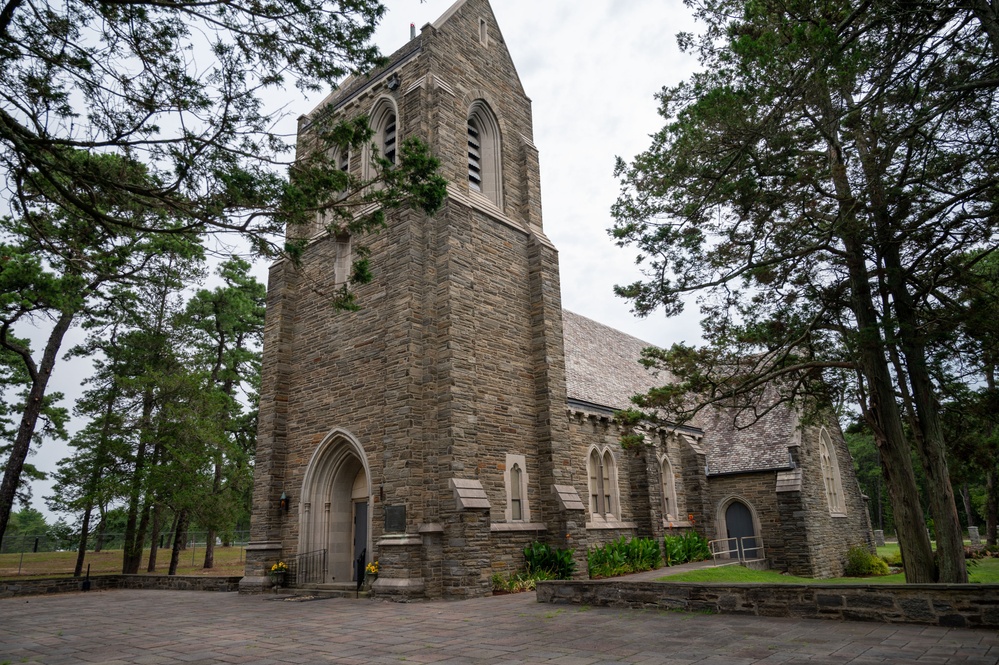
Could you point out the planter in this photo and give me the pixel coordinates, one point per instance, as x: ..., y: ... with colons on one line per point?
x: 277, y: 579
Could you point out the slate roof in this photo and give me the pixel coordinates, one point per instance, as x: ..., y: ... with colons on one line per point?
x: 760, y: 447
x: 602, y: 369
x: 601, y: 363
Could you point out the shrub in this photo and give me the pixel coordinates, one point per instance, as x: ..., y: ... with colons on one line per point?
x: 690, y: 546
x: 623, y: 556
x: 893, y: 559
x: 554, y: 564
x: 861, y: 563
x: 519, y: 581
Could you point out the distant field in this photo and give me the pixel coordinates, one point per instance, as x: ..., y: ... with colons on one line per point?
x: 228, y: 561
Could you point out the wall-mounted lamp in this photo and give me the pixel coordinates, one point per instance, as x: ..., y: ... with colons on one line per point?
x: 394, y: 82
x: 284, y: 502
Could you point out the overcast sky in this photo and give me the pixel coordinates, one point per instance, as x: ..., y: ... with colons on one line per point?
x: 591, y: 75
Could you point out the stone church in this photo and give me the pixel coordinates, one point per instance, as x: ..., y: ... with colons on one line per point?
x: 462, y: 414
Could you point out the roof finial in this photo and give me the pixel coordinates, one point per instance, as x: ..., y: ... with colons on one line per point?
x: 412, y: 31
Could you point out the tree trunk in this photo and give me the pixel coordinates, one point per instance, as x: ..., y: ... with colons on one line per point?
x: 991, y: 504
x: 210, y: 538
x: 968, y: 510
x: 132, y: 550
x: 101, y: 528
x: 81, y: 551
x: 178, y: 538
x: 29, y: 419
x: 931, y: 445
x: 881, y: 410
x: 209, y: 550
x: 154, y: 537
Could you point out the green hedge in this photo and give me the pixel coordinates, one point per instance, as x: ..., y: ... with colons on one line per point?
x: 548, y: 563
x: 624, y: 556
x: 691, y: 546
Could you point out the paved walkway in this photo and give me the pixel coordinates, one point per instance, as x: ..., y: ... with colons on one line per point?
x: 187, y: 627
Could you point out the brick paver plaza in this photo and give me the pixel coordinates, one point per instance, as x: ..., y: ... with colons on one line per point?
x: 168, y: 627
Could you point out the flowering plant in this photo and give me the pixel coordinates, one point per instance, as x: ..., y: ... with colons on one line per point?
x: 371, y: 568
x: 279, y: 567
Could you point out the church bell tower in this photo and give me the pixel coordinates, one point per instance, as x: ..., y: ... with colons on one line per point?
x: 427, y: 431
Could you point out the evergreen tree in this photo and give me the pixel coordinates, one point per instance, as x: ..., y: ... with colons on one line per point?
x: 817, y: 184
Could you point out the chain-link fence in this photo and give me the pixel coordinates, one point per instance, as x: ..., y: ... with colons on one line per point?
x: 45, y: 554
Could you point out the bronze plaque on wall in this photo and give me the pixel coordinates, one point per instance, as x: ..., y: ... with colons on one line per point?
x: 395, y: 519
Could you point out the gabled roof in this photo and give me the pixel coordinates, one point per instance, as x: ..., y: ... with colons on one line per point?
x: 602, y: 369
x: 601, y: 363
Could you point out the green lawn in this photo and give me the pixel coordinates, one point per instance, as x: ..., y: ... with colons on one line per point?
x: 228, y: 561
x: 981, y: 571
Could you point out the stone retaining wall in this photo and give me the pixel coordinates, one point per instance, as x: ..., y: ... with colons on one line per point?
x: 953, y: 605
x: 37, y: 587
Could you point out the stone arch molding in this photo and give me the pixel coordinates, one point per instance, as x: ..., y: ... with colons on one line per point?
x: 722, y: 522
x: 326, y: 507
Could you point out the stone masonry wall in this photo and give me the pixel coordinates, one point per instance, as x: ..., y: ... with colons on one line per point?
x: 954, y: 605
x: 37, y: 587
x: 756, y: 490
x: 830, y: 537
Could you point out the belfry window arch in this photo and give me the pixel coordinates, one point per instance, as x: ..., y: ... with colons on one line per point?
x: 484, y: 153
x: 830, y: 474
x: 384, y: 122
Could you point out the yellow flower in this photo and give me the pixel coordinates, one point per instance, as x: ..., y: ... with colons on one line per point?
x: 372, y: 568
x: 279, y: 567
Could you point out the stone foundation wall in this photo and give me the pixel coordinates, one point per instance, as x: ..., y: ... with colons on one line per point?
x: 952, y: 605
x: 38, y: 587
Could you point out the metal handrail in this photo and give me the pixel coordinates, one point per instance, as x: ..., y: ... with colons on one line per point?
x: 755, y: 547
x: 308, y: 568
x: 737, y: 548
x: 732, y: 545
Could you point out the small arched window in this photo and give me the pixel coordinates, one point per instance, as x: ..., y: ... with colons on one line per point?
x: 668, y: 488
x: 830, y: 474
x: 516, y: 494
x: 484, y: 153
x: 518, y: 508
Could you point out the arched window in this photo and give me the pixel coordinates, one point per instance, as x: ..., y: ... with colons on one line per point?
x: 830, y: 474
x: 484, y: 154
x: 515, y: 477
x: 516, y: 494
x: 603, y: 484
x: 384, y: 142
x: 669, y: 489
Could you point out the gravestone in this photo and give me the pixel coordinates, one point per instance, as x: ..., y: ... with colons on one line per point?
x: 879, y: 538
x: 976, y: 539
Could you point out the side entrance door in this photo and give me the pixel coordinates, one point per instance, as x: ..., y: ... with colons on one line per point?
x: 739, y: 524
x: 360, y: 532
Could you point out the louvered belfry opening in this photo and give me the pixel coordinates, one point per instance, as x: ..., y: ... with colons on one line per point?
x: 389, y: 142
x: 474, y: 157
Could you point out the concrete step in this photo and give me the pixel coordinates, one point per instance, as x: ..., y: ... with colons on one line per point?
x: 331, y: 590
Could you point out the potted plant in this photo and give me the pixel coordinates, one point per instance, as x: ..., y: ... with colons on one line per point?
x: 278, y: 572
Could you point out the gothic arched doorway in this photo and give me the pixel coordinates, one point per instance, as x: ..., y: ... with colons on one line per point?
x: 738, y: 524
x: 334, y: 510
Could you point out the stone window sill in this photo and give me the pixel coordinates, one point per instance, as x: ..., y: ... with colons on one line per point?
x: 517, y: 526
x: 597, y: 525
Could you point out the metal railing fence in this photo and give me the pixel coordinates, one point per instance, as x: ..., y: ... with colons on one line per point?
x: 308, y: 568
x: 747, y: 548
